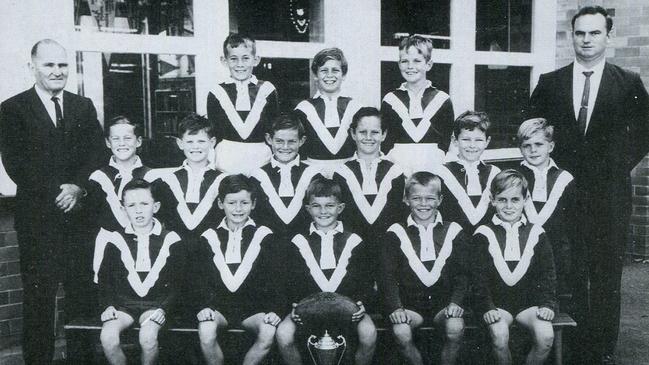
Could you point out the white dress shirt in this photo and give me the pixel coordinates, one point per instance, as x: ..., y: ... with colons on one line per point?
x: 46, y: 99
x: 578, y: 80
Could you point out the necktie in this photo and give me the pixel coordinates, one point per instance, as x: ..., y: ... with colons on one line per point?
x: 59, y: 113
x: 583, y: 110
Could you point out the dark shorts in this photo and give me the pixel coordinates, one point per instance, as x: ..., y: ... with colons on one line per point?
x: 235, y: 315
x: 135, y: 308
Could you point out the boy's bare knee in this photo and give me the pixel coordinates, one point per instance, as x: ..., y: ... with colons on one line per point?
x: 207, y: 335
x: 366, y: 333
x: 454, y: 329
x: 109, y: 339
x: 544, y: 340
x: 285, y: 334
x: 148, y: 340
x: 266, y: 336
x: 499, y: 336
x: 402, y: 334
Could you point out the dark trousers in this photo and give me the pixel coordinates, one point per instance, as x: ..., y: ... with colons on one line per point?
x: 598, y: 262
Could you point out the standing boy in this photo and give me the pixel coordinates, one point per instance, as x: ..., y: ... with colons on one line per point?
x: 552, y: 198
x: 284, y: 179
x: 327, y: 258
x: 424, y: 273
x: 240, y: 259
x: 138, y: 271
x: 241, y: 109
x: 467, y: 180
x: 328, y: 114
x: 418, y: 115
x: 514, y: 273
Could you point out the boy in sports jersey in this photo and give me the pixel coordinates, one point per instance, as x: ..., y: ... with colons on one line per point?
x: 466, y: 181
x: 326, y: 117
x: 424, y: 272
x: 552, y: 194
x: 514, y: 274
x: 139, y: 272
x: 418, y: 115
x: 241, y: 109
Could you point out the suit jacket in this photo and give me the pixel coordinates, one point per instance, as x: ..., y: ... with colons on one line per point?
x: 39, y: 156
x: 616, y: 140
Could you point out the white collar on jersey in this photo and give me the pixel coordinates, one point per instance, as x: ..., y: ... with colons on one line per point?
x: 156, y: 229
x: 337, y: 229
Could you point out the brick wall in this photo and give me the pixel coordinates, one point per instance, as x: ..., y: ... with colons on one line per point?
x: 629, y: 48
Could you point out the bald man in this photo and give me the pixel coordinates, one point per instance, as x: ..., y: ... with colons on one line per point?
x: 50, y: 141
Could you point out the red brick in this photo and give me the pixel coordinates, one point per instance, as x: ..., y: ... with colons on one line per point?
x: 10, y: 311
x: 640, y: 210
x: 641, y: 190
x: 640, y: 220
x: 640, y: 180
x: 8, y: 254
x: 16, y: 296
x: 13, y: 268
x: 4, y: 328
x: 4, y: 298
x: 641, y: 200
x: 16, y: 326
x: 639, y: 230
x: 10, y: 283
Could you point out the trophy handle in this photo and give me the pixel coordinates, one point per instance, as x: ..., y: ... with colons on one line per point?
x: 340, y: 340
x: 312, y: 340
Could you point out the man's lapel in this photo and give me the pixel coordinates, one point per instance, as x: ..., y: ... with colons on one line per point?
x: 604, y: 97
x: 41, y: 117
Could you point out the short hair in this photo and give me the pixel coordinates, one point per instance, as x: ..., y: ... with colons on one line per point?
x: 471, y: 120
x: 320, y: 186
x: 508, y: 179
x: 139, y: 183
x: 234, y: 40
x: 327, y: 54
x: 423, y: 45
x: 120, y: 119
x: 286, y: 121
x: 193, y: 124
x: 366, y: 111
x: 594, y: 10
x: 533, y: 126
x: 233, y: 184
x: 423, y: 178
x: 49, y: 41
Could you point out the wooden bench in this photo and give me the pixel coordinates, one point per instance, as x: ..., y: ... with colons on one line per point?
x: 77, y: 333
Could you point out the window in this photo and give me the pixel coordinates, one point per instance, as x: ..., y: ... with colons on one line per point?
x: 400, y: 18
x: 504, y: 25
x: 284, y: 20
x: 291, y: 78
x: 168, y: 18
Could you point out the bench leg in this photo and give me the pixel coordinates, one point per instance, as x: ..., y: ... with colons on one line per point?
x: 558, y: 346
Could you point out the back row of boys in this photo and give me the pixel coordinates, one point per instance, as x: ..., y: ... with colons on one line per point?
x: 366, y: 192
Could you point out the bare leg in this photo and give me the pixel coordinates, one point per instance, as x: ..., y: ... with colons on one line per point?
x: 207, y: 334
x: 366, y: 341
x: 109, y: 337
x: 149, y: 339
x: 454, y: 332
x: 542, y: 335
x: 286, y: 342
x: 403, y: 335
x: 265, y: 337
x: 499, y: 333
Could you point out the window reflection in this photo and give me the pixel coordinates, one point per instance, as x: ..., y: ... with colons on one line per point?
x: 504, y: 26
x: 400, y: 18
x: 157, y: 17
x: 291, y: 78
x: 502, y: 92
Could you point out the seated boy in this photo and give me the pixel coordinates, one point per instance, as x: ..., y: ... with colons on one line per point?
x: 137, y: 269
x: 106, y: 185
x: 284, y: 179
x: 241, y: 109
x: 240, y: 261
x: 552, y: 193
x: 372, y: 184
x: 424, y: 275
x: 327, y: 258
x: 418, y: 116
x: 327, y: 115
x: 466, y: 181
x: 514, y: 272
x: 191, y: 189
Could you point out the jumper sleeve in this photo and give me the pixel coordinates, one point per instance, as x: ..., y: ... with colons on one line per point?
x: 638, y: 119
x: 480, y: 273
x: 93, y: 147
x: 446, y: 118
x: 213, y: 114
x: 460, y: 268
x: 107, y: 290
x: 175, y: 275
x: 360, y: 270
x: 546, y: 278
x: 388, y: 280
x: 391, y: 120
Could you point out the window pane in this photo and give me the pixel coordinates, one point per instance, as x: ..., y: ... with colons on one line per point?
x: 291, y: 78
x: 391, y: 76
x: 401, y: 18
x: 168, y: 18
x: 156, y: 91
x: 283, y: 20
x: 502, y: 92
x: 504, y: 25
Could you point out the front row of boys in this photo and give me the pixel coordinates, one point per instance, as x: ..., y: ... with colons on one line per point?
x: 237, y: 269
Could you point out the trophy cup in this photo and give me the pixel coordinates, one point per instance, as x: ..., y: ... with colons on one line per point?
x: 329, y: 313
x: 326, y: 349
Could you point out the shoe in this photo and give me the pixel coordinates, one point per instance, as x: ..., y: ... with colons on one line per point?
x: 608, y: 359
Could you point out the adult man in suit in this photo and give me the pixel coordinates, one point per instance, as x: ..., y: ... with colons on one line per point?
x: 50, y: 141
x: 600, y: 113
